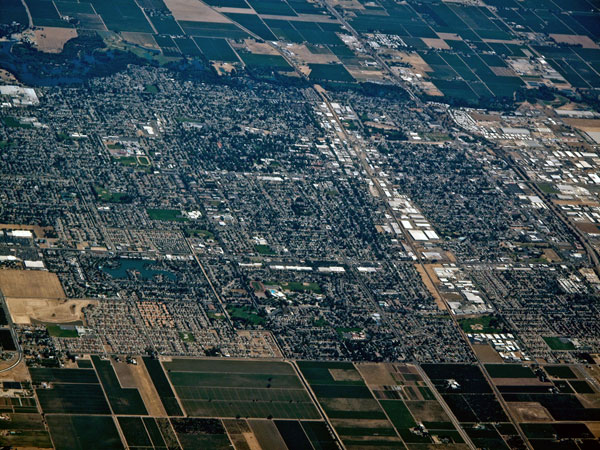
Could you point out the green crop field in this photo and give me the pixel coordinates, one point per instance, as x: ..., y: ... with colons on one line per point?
x: 329, y: 72
x: 351, y: 407
x: 73, y: 399
x: 84, y: 432
x: 122, y: 401
x: 54, y: 375
x: 558, y: 343
x: 214, y: 388
x: 161, y: 383
x: 216, y: 49
x: 509, y: 371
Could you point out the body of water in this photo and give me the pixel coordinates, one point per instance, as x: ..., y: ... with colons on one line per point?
x: 140, y: 266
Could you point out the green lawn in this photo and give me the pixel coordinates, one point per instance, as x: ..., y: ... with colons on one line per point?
x: 128, y: 160
x: 558, y: 343
x: 245, y: 314
x: 170, y: 215
x: 296, y: 286
x: 111, y: 197
x: 57, y: 331
x: 483, y: 324
x: 15, y: 123
x: 264, y: 250
x: 186, y: 337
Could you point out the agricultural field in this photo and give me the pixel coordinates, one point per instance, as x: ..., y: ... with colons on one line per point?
x: 82, y: 432
x: 410, y: 404
x: 162, y: 386
x: 122, y: 401
x: 30, y: 284
x: 147, y: 432
x: 541, y: 398
x: 216, y: 49
x: 217, y: 388
x: 24, y: 430
x: 471, y: 399
x: 355, y: 414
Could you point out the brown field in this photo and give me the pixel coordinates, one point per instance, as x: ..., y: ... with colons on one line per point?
x: 589, y: 228
x: 520, y: 382
x: 427, y: 411
x: 503, y: 71
x: 39, y: 232
x: 502, y: 41
x: 583, y: 124
x: 427, y: 269
x: 136, y: 376
x: 302, y: 53
x: 30, y: 284
x: 344, y: 375
x: 52, y: 39
x: 590, y: 400
x: 300, y: 18
x: 240, y: 434
x: 141, y: 39
x: 267, y: 435
x: 53, y: 310
x: 194, y: 10
x: 436, y: 43
x: 348, y: 4
x: 376, y: 374
x: 430, y: 89
x: 594, y: 428
x: 362, y: 423
x: 449, y: 36
x: 486, y: 353
x: 366, y: 75
x: 551, y: 255
x: 18, y: 373
x: 529, y: 412
x: 350, y: 404
x: 574, y: 39
x: 260, y: 48
x: 6, y: 76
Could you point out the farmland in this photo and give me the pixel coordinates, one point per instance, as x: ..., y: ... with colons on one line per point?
x: 83, y: 432
x: 356, y: 416
x: 468, y: 52
x: 239, y: 389
x: 122, y: 401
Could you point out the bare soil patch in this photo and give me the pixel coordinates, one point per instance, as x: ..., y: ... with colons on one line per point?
x: 344, y: 375
x: 267, y: 435
x: 136, y: 376
x: 194, y: 10
x: 436, y: 43
x: 486, y: 353
x: 17, y: 373
x: 362, y: 423
x: 427, y: 411
x: 376, y: 374
x: 424, y: 271
x: 52, y: 39
x: 350, y: 404
x: 30, y: 284
x: 575, y: 39
x: 141, y: 39
x: 53, y: 310
x: 530, y: 412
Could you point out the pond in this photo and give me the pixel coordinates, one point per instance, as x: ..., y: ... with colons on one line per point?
x: 139, y: 266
